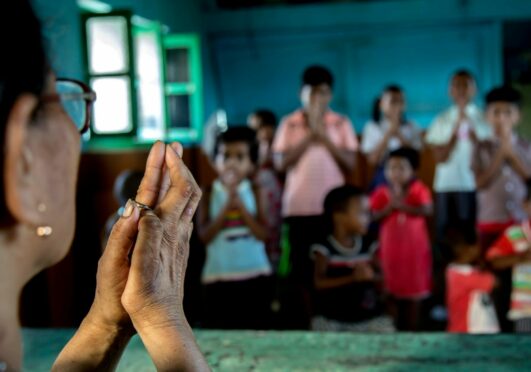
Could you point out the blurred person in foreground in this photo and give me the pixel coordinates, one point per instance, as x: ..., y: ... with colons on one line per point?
x: 41, y: 121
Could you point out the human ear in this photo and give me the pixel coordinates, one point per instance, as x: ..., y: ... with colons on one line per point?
x: 19, y: 164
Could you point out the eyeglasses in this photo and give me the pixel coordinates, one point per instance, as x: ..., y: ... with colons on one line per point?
x: 76, y: 98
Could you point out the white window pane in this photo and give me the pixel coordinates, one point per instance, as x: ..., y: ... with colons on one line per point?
x: 150, y: 88
x: 107, y: 44
x: 112, y: 109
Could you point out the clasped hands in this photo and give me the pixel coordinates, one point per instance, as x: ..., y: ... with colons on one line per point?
x: 140, y: 276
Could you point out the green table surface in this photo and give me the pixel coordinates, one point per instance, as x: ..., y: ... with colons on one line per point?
x: 312, y: 351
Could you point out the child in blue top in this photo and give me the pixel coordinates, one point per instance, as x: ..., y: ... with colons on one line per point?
x: 232, y: 226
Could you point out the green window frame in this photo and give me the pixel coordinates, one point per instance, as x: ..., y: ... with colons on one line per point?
x: 155, y: 30
x: 185, y: 127
x: 192, y: 88
x: 128, y: 73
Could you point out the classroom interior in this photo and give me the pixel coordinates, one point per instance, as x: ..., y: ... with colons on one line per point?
x: 179, y: 70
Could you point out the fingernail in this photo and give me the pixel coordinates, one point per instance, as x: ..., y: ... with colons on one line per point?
x: 128, y: 210
x: 177, y: 148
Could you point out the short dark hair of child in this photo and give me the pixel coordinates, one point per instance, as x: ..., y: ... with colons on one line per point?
x: 317, y: 75
x: 458, y: 237
x: 239, y: 134
x: 463, y: 72
x: 408, y: 153
x: 267, y: 118
x: 337, y: 201
x: 504, y: 94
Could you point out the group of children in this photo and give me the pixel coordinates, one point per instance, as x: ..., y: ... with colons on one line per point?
x: 285, y: 234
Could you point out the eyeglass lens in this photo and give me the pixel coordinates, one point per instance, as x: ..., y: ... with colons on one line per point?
x: 76, y: 107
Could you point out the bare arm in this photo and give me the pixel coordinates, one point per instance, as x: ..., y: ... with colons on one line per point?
x: 382, y: 213
x: 485, y: 175
x: 442, y: 153
x: 284, y: 160
x: 93, y: 347
x: 207, y: 229
x: 423, y: 210
x: 376, y: 156
x: 258, y: 224
x: 361, y: 273
x: 345, y: 159
x: 501, y: 263
x: 518, y: 165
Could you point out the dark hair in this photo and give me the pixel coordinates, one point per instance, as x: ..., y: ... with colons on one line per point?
x: 23, y: 68
x: 336, y: 201
x: 504, y: 94
x: 317, y: 75
x: 376, y: 112
x: 267, y: 118
x: 239, y: 134
x: 528, y: 189
x: 458, y: 236
x: 408, y: 153
x: 463, y: 72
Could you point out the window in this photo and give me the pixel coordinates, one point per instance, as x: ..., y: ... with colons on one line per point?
x: 111, y: 72
x: 183, y: 88
x: 147, y: 37
x: 148, y: 84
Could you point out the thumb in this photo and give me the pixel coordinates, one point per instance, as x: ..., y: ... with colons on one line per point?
x: 146, y: 254
x: 123, y: 235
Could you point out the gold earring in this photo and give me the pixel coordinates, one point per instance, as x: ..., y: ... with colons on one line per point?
x: 43, y: 231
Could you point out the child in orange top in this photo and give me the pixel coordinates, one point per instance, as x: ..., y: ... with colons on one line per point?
x: 468, y: 288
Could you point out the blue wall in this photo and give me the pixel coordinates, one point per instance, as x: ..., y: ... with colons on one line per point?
x: 259, y: 53
x: 61, y: 21
x: 254, y: 57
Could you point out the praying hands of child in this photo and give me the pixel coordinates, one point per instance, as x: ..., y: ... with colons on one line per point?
x: 234, y: 201
x: 397, y: 198
x: 363, y: 272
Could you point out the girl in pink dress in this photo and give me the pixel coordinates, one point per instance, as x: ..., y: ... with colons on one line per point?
x: 402, y: 206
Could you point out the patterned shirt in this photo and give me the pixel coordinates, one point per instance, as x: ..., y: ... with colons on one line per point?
x: 501, y: 200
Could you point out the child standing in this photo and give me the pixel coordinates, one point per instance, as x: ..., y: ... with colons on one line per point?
x: 468, y: 288
x: 264, y: 122
x: 232, y: 225
x: 452, y: 136
x: 402, y: 207
x: 387, y: 131
x: 344, y: 277
x: 316, y: 148
x: 512, y: 251
x: 501, y: 166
